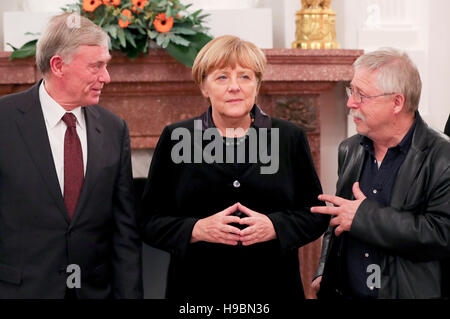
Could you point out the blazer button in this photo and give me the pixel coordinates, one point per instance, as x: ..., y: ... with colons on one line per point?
x: 236, y: 184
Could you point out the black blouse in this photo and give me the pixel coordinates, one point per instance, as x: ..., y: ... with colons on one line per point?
x: 178, y: 195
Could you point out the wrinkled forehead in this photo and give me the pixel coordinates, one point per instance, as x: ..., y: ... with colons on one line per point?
x: 365, y: 77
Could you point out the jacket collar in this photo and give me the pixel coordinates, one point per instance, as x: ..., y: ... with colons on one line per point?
x: 261, y: 119
x: 420, y: 136
x: 404, y: 144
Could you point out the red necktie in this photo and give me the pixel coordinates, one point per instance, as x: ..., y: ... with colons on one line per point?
x: 73, y: 164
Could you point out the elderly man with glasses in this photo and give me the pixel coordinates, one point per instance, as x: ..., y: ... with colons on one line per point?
x: 389, y: 236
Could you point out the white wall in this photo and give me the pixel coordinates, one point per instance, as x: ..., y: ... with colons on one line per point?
x: 12, y: 5
x: 439, y: 63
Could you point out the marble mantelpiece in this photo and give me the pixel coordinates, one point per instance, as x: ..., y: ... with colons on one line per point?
x: 152, y: 91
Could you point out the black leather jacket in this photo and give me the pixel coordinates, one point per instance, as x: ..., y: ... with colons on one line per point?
x: 414, y: 231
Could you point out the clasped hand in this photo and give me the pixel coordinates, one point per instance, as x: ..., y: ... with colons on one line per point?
x: 217, y: 229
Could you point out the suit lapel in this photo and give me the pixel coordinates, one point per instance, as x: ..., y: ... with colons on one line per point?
x: 94, y: 159
x: 31, y: 125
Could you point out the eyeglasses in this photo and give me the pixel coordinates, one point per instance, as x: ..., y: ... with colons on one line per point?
x: 359, y: 97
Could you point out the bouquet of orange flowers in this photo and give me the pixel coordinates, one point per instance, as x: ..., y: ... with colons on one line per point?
x: 133, y: 24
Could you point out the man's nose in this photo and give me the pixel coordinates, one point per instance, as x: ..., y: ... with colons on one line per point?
x: 351, y: 103
x: 104, y: 77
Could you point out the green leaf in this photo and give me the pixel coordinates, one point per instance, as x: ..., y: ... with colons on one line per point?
x: 199, y: 40
x: 179, y: 40
x: 182, y: 30
x: 165, y: 42
x: 140, y: 23
x: 203, y: 16
x: 196, y: 13
x: 26, y: 50
x: 130, y: 38
x: 159, y: 39
x: 33, y: 34
x: 121, y: 36
x: 13, y: 47
x: 186, y: 55
x: 23, y: 52
x: 111, y: 30
x: 169, y: 11
x: 152, y: 34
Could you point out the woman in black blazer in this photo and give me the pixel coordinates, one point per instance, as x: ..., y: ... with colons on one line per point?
x: 229, y: 192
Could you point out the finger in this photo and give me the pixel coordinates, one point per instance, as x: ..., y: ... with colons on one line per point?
x: 247, y: 221
x: 357, y: 192
x: 247, y: 210
x: 339, y: 230
x: 248, y: 231
x: 253, y: 238
x: 335, y: 221
x: 231, y: 219
x: 230, y: 210
x: 229, y: 242
x: 329, y: 210
x: 230, y: 237
x: 336, y: 200
x: 231, y: 229
x: 248, y: 243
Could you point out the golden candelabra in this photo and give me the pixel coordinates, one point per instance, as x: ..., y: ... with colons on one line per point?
x: 315, y: 26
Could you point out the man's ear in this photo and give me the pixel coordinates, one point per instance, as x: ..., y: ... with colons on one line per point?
x: 56, y: 66
x: 399, y: 103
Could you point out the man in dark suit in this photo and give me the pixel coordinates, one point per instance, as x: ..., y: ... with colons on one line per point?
x: 390, y: 232
x: 67, y: 210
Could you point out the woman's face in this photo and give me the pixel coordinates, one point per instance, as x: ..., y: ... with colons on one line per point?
x: 232, y: 92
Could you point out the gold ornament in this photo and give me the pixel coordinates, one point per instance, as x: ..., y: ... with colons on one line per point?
x: 315, y: 26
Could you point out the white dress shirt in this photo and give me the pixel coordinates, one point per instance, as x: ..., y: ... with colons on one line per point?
x: 56, y: 130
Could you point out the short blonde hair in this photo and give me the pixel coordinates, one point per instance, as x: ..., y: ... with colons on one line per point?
x: 397, y: 73
x: 63, y: 35
x: 226, y: 51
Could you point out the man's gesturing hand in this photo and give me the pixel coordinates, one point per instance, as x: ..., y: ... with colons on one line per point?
x: 344, y: 210
x: 215, y: 228
x: 260, y: 227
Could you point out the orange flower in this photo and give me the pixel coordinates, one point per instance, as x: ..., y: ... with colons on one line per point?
x: 162, y: 24
x: 125, y: 23
x: 138, y: 4
x: 91, y: 5
x: 111, y: 2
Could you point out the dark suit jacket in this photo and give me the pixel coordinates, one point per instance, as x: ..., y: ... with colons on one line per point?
x: 177, y: 195
x: 37, y: 238
x: 413, y: 232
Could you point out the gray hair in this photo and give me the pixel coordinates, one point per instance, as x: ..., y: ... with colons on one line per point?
x: 63, y: 35
x: 396, y: 74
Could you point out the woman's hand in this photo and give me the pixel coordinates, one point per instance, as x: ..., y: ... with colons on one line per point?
x: 260, y: 227
x: 215, y: 228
